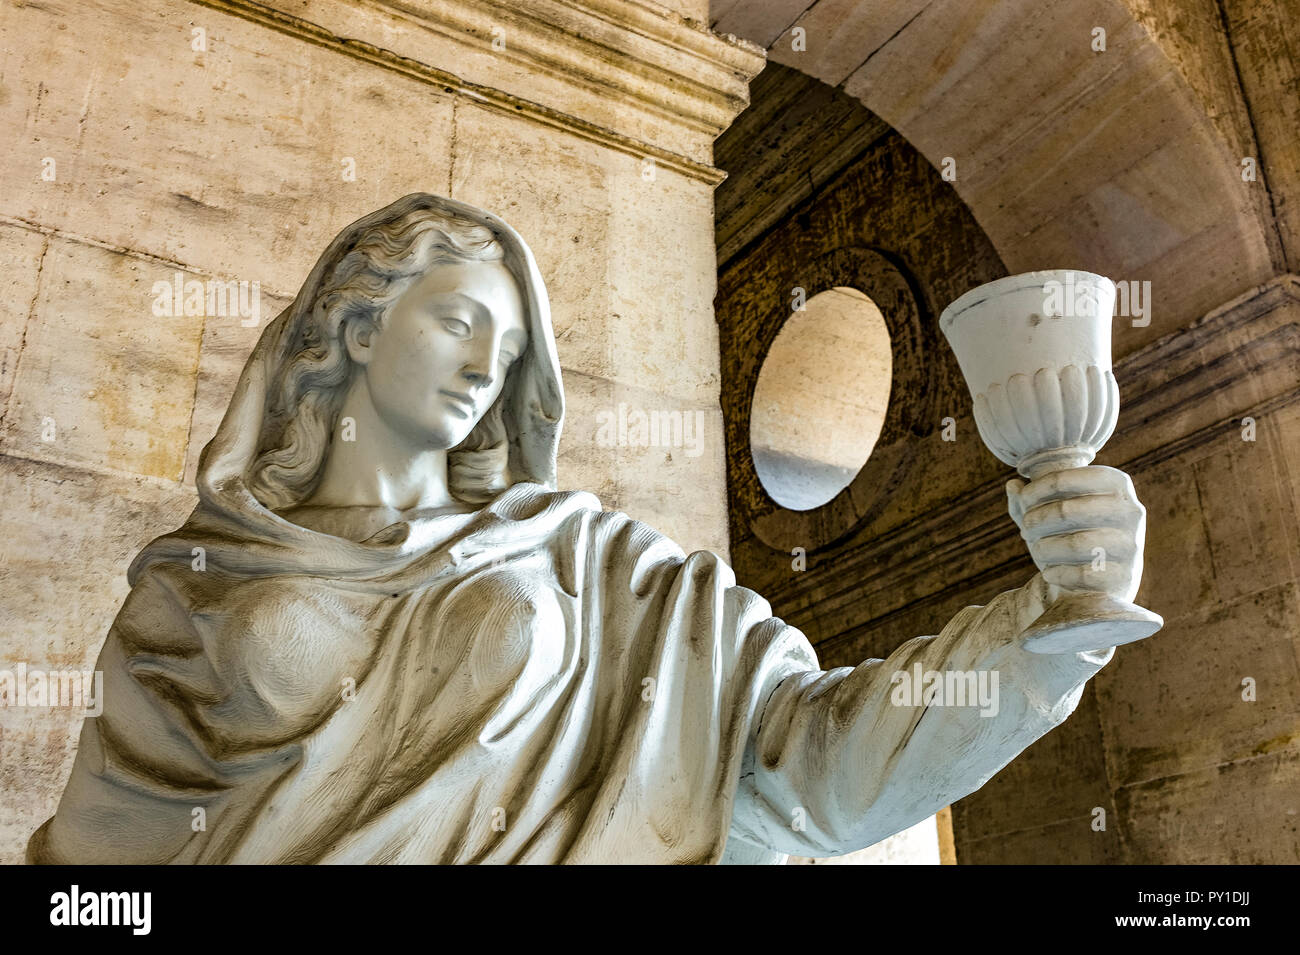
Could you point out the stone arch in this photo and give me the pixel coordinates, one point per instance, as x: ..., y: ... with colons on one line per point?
x: 1108, y: 161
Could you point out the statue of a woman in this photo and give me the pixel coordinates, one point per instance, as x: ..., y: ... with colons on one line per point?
x: 383, y: 635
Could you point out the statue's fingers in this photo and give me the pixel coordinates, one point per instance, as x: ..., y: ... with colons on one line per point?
x: 1110, y: 580
x: 1078, y: 513
x: 1094, y: 547
x: 1014, y: 487
x: 1069, y: 577
x: 1121, y: 480
x: 1075, y: 482
x: 1082, y: 578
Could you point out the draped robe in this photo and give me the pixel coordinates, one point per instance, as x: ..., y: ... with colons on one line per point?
x: 541, y: 681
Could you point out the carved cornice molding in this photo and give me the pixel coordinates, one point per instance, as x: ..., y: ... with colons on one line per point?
x: 1182, y: 392
x: 625, y: 73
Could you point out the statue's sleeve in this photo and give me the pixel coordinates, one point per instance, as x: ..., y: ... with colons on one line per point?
x: 841, y: 759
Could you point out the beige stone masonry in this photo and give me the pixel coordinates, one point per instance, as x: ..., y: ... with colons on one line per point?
x: 627, y: 74
x: 101, y: 380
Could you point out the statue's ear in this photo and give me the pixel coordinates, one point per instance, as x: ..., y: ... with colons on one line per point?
x: 358, y: 336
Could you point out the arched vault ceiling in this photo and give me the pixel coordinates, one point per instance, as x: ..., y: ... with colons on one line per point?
x: 1126, y: 162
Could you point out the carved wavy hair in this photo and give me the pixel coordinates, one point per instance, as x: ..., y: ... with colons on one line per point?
x: 309, y: 387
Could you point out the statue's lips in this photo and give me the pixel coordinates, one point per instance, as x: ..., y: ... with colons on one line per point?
x: 460, y: 403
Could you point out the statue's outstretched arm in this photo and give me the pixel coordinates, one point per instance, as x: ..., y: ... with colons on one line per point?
x: 844, y: 758
x: 841, y: 759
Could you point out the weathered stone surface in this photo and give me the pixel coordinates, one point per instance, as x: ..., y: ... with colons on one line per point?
x: 37, y: 748
x: 227, y: 342
x: 761, y: 21
x: 662, y: 282
x: 1060, y: 777
x: 1249, y: 517
x: 1174, y: 704
x: 1068, y: 842
x: 696, y: 10
x: 1155, y: 209
x: 68, y: 535
x: 1267, y: 59
x: 1242, y: 813
x: 1285, y: 426
x: 564, y: 215
x: 809, y: 133
x: 221, y: 160
x: 1178, y: 578
x: 1239, y: 361
x: 621, y: 74
x: 1237, y: 58
x: 838, y: 35
x: 657, y: 475
x: 20, y: 265
x: 102, y: 380
x: 1191, y: 34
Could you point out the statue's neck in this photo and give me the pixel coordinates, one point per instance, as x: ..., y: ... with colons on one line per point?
x: 371, y: 465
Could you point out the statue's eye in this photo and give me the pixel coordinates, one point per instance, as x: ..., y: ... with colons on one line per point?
x: 456, y: 327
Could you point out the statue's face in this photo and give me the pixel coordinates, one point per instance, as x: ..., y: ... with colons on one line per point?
x: 441, y: 355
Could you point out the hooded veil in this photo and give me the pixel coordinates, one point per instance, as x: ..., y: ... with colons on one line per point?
x: 533, y: 399
x: 539, y: 680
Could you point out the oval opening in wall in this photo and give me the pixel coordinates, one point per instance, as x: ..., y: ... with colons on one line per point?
x: 820, y: 400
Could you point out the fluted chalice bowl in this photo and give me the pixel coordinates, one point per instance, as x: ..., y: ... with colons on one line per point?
x: 1035, y: 352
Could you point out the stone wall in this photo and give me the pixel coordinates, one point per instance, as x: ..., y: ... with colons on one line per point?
x: 230, y: 141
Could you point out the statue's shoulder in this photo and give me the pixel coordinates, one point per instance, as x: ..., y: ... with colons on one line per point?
x: 527, y: 500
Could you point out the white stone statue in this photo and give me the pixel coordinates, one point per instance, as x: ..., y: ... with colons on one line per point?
x: 384, y: 636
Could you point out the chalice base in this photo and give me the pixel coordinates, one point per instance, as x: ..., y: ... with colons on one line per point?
x: 1089, y: 621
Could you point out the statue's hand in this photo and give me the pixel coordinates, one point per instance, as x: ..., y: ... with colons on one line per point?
x: 1085, y: 528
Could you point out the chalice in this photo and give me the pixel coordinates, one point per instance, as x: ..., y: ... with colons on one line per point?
x: 1035, y: 352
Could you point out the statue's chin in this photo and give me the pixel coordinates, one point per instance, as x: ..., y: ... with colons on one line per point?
x: 446, y: 438
x: 437, y: 433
